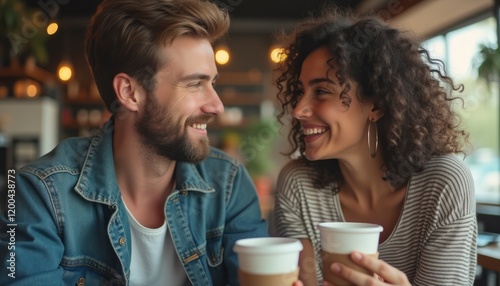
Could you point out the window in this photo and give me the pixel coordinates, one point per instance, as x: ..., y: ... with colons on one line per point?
x: 459, y: 49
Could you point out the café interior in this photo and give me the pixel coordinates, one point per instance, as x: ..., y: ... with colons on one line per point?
x: 47, y: 93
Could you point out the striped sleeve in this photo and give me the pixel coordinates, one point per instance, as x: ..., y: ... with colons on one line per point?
x: 448, y: 255
x: 288, y: 218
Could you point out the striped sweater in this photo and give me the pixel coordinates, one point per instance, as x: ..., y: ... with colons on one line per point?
x: 434, y: 241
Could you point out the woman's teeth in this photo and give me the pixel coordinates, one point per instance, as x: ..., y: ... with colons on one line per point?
x: 312, y: 131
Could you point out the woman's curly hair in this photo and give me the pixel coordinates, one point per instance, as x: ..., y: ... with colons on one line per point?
x: 391, y: 69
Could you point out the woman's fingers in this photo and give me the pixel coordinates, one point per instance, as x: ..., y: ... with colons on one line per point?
x: 354, y: 276
x: 389, y: 274
x: 384, y: 274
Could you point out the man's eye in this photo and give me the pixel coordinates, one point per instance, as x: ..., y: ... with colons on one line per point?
x: 195, y: 84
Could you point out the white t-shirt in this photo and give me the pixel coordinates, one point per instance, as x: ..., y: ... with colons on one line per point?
x: 154, y: 259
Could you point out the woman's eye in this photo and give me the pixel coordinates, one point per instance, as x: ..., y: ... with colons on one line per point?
x: 321, y: 91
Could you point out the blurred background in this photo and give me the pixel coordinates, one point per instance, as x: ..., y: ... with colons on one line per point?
x: 47, y: 93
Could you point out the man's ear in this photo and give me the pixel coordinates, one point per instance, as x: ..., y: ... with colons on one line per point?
x: 128, y: 92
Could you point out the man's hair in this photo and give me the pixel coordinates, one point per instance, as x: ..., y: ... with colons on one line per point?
x: 127, y: 35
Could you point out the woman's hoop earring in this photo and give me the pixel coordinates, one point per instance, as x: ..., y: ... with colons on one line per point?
x: 373, y: 153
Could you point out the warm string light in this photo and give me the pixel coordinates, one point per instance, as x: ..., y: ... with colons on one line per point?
x: 27, y: 88
x: 31, y: 90
x: 222, y: 56
x: 52, y: 28
x: 65, y: 72
x: 277, y: 55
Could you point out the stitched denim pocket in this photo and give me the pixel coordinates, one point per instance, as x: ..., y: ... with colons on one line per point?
x: 215, y: 251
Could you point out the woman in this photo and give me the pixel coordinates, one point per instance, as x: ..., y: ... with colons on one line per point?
x: 374, y: 127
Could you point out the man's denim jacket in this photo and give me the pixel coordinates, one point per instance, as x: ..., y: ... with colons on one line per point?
x: 71, y: 227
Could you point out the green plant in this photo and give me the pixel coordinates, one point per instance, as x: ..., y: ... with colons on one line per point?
x: 22, y: 32
x: 488, y: 63
x: 257, y: 147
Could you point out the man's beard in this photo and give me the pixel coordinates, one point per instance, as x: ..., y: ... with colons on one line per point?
x: 167, y: 137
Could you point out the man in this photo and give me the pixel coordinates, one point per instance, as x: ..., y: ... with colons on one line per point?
x: 145, y: 201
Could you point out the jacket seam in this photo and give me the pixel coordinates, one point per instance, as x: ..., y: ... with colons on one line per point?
x: 232, y: 174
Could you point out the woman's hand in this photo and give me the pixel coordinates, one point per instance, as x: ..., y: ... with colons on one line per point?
x: 385, y: 274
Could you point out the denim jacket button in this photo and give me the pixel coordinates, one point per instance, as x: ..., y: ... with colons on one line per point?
x: 81, y: 282
x: 121, y: 241
x: 184, y: 192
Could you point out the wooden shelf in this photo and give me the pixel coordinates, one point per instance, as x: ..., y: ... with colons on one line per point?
x: 241, y: 99
x: 235, y: 78
x: 82, y: 113
x: 84, y: 101
x: 31, y: 71
x: 489, y: 257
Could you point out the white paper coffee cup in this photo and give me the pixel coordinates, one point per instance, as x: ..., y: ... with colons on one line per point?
x: 268, y: 255
x: 346, y: 237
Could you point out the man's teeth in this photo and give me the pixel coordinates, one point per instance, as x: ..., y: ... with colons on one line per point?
x: 311, y: 131
x: 200, y: 126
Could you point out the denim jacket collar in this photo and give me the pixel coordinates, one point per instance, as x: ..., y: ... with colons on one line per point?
x: 97, y: 181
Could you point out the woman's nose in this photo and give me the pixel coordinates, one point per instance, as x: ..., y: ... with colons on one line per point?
x: 301, y: 111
